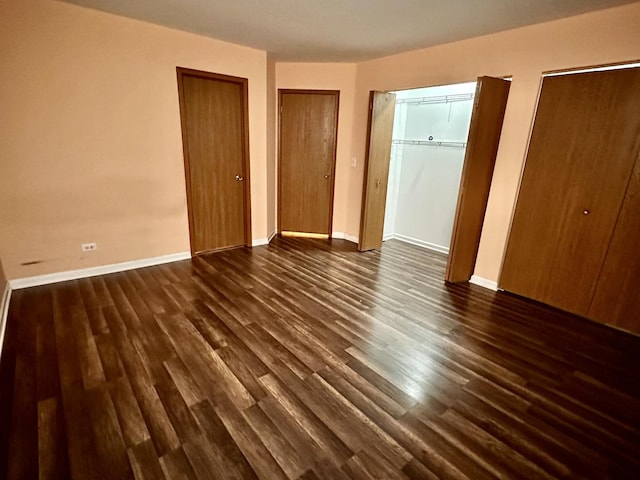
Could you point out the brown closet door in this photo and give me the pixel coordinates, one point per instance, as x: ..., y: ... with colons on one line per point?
x: 617, y: 297
x: 477, y: 171
x: 214, y: 135
x: 376, y: 169
x: 308, y: 134
x: 582, y: 150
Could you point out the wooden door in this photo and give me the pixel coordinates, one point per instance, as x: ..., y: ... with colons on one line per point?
x: 487, y: 117
x: 307, y: 156
x: 382, y: 107
x: 617, y: 298
x: 582, y: 150
x: 213, y: 110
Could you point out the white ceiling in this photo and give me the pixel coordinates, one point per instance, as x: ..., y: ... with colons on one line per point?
x: 344, y: 30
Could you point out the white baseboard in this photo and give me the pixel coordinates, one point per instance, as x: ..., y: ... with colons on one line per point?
x: 345, y: 236
x: 351, y: 238
x: 483, y: 282
x: 259, y: 242
x: 4, y: 312
x: 421, y: 243
x: 388, y: 236
x: 94, y: 271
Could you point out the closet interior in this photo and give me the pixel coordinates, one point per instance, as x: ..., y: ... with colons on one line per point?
x: 430, y: 132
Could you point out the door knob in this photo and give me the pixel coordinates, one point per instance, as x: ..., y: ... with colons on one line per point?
x: 377, y: 183
x: 327, y: 176
x: 239, y: 178
x: 586, y: 212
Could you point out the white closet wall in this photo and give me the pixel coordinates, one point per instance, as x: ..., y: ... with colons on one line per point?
x: 424, y: 179
x: 395, y: 166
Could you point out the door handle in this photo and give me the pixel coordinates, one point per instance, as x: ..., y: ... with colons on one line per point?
x: 378, y: 183
x: 239, y: 178
x: 327, y: 176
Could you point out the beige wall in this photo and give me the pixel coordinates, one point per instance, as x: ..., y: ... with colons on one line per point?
x: 330, y: 76
x: 91, y: 148
x: 607, y: 36
x: 272, y: 122
x: 90, y: 141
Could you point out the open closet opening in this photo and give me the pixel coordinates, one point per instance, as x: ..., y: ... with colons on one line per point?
x: 430, y: 131
x: 428, y: 168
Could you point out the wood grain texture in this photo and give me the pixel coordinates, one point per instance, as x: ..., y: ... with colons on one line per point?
x: 477, y: 172
x: 583, y: 148
x: 382, y: 106
x: 214, y: 119
x: 307, y: 359
x: 616, y: 300
x: 308, y: 136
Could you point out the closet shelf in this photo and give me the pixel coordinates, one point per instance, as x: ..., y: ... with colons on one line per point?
x: 459, y: 97
x: 430, y: 143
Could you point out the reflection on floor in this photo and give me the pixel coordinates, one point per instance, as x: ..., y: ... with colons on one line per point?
x: 307, y: 359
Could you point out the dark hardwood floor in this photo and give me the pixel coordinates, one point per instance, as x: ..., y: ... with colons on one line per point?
x: 306, y: 359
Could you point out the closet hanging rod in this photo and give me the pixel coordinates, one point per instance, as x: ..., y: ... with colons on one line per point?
x: 459, y: 97
x: 430, y: 143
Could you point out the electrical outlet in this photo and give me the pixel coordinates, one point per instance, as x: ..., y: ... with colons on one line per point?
x: 89, y: 247
x: 353, y: 162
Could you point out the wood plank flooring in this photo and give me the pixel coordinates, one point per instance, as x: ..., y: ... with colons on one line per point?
x: 306, y: 359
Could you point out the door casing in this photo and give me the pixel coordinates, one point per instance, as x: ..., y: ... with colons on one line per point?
x: 332, y: 168
x: 244, y: 84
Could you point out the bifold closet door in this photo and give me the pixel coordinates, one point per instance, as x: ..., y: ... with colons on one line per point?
x: 617, y: 297
x: 487, y: 117
x: 583, y: 148
x: 308, y: 136
x: 215, y: 138
x: 376, y: 169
